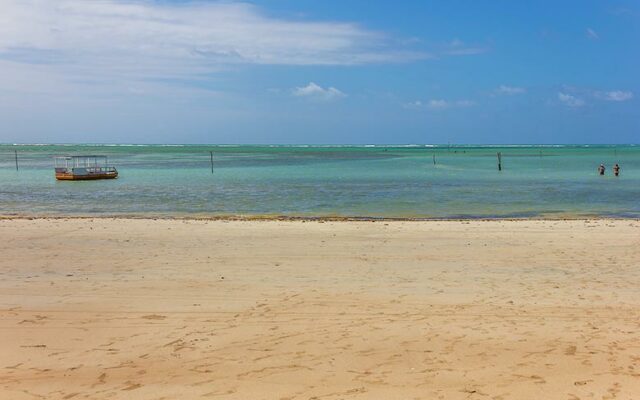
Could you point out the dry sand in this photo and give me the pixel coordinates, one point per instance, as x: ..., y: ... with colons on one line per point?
x: 171, y: 309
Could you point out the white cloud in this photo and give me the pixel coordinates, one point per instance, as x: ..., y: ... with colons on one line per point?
x: 510, y: 90
x: 570, y: 101
x: 591, y: 34
x: 440, y: 104
x: 315, y: 91
x: 616, y: 95
x: 574, y: 96
x: 138, y: 39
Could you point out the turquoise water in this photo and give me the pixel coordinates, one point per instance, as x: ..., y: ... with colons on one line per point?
x: 357, y: 181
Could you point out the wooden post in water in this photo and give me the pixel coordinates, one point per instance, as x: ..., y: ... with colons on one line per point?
x: 16, y: 153
x: 211, y: 154
x: 499, y: 161
x: 434, y: 159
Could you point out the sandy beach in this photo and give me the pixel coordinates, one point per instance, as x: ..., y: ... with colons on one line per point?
x: 187, y: 309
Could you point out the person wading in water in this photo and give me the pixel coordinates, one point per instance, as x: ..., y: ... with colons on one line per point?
x: 601, y: 169
x: 616, y: 169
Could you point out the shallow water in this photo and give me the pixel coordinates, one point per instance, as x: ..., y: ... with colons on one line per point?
x: 358, y: 181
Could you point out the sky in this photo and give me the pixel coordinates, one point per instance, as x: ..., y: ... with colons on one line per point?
x: 319, y: 72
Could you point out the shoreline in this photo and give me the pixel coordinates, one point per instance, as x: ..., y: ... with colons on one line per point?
x: 308, y: 218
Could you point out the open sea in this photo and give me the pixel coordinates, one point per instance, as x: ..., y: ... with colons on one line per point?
x: 325, y: 181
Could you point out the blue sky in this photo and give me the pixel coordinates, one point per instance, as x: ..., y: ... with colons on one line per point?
x: 303, y: 71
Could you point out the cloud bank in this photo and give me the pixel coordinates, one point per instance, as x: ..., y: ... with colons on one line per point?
x: 147, y: 39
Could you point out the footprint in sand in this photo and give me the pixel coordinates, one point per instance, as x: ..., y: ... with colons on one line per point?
x: 132, y: 386
x: 101, y: 380
x: 154, y: 316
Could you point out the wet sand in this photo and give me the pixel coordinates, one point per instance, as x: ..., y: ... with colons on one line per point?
x: 183, y: 309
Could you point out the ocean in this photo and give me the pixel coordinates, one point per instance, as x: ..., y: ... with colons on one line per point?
x: 328, y: 181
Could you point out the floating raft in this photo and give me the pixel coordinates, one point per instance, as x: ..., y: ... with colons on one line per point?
x: 83, y: 168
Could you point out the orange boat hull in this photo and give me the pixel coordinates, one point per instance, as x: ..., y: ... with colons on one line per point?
x: 87, y: 177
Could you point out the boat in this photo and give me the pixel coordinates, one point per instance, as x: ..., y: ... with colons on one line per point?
x: 83, y: 168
